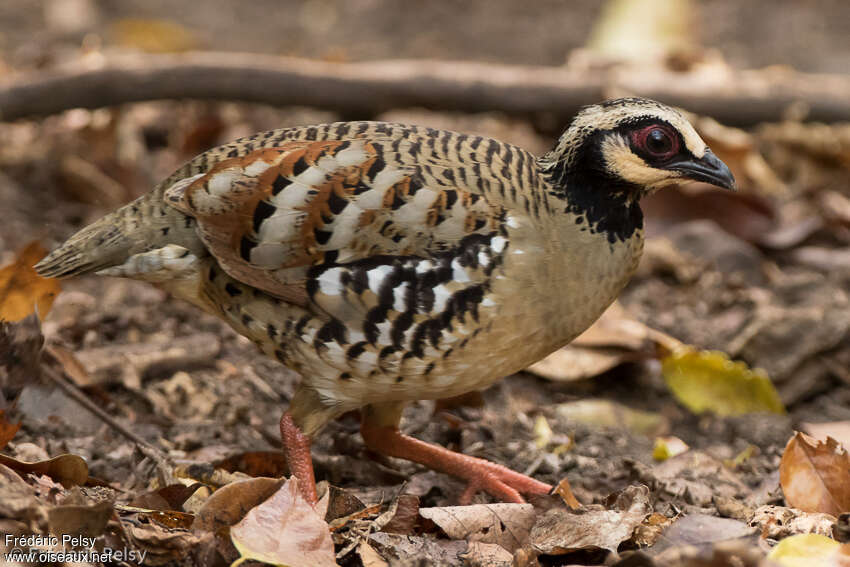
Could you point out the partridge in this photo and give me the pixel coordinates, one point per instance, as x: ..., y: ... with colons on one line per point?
x: 388, y: 263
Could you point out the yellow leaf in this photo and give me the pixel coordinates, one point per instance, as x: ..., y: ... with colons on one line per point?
x: 741, y: 457
x: 809, y: 550
x: 667, y: 447
x: 709, y: 381
x: 155, y: 36
x: 542, y: 432
x: 22, y: 290
x: 643, y: 29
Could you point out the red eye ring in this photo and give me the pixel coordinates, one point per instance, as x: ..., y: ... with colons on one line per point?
x: 657, y: 140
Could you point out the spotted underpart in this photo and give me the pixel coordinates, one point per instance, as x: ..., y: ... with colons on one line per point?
x: 384, y: 319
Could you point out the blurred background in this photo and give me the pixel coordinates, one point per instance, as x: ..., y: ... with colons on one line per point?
x: 812, y: 35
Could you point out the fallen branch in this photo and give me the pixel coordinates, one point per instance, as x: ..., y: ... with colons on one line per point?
x: 128, y: 363
x: 740, y: 98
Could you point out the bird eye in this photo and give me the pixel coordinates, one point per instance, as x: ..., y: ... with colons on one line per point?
x: 656, y: 141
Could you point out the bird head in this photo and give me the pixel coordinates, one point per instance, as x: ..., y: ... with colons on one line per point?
x: 634, y: 146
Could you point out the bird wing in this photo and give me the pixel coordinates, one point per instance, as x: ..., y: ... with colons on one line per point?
x: 271, y: 216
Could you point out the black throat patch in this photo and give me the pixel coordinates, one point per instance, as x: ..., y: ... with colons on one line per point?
x: 604, y: 203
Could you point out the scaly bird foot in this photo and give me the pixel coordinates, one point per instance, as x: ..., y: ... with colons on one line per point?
x: 481, y: 475
x: 296, y: 447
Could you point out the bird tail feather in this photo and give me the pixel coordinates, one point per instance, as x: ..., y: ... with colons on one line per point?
x: 142, y: 225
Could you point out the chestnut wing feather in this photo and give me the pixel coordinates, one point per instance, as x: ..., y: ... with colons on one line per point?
x: 271, y: 215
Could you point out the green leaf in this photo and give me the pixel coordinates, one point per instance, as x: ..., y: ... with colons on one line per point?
x: 708, y: 381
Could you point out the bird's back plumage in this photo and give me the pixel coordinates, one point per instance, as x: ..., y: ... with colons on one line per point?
x: 444, y: 160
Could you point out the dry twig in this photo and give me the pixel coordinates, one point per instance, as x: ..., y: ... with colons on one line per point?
x: 364, y: 89
x: 149, y: 450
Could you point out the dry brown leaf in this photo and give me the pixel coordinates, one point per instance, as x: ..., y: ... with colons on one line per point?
x: 80, y: 519
x: 615, y: 328
x: 838, y: 430
x: 7, y: 429
x: 701, y: 529
x: 778, y: 522
x: 285, y: 530
x: 165, y: 518
x: 17, y: 498
x: 167, y: 498
x: 230, y: 503
x: 341, y: 503
x: 256, y: 463
x: 473, y: 399
x: 505, y: 524
x: 416, y: 550
x: 480, y: 554
x: 646, y: 534
x: 629, y: 30
x: 827, y: 143
x: 163, y: 546
x: 745, y: 216
x: 561, y: 531
x: 791, y: 233
x: 204, y: 133
x: 69, y: 470
x: 406, y: 516
x: 22, y: 290
x: 815, y: 475
x: 571, y: 363
x: 696, y: 476
x: 369, y: 557
x: 565, y: 491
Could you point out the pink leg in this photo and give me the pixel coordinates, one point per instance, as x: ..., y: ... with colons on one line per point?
x: 296, y: 447
x: 496, y: 480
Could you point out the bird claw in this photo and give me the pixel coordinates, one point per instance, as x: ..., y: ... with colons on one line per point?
x: 500, y: 482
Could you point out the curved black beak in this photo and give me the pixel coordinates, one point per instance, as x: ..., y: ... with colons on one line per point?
x: 708, y: 169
